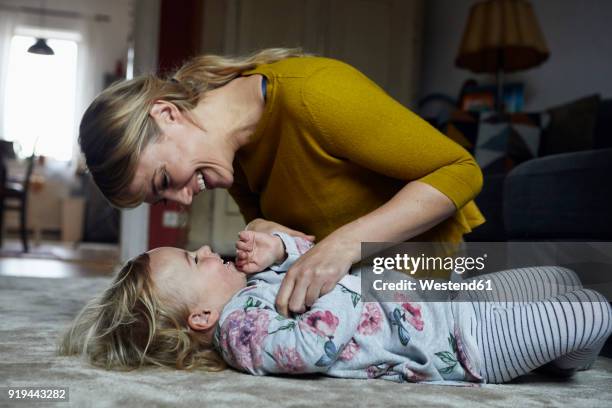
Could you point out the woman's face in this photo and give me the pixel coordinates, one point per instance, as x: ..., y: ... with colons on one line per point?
x: 184, y: 161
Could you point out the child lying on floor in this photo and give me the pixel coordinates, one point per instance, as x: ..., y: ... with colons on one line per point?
x: 174, y: 308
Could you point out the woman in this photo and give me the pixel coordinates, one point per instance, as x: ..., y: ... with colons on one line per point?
x: 302, y: 141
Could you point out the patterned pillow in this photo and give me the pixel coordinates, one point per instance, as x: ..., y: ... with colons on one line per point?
x: 505, y: 140
x: 571, y: 126
x: 462, y: 127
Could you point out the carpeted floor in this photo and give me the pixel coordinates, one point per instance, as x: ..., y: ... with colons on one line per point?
x: 34, y: 311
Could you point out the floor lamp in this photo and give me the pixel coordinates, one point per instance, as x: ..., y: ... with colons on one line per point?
x: 501, y: 36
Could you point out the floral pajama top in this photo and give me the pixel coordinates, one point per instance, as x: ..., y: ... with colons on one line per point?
x: 341, y: 336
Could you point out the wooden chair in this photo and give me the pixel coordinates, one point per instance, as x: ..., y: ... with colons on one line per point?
x: 14, y: 197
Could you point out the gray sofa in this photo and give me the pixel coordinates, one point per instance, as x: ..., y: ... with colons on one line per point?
x: 564, y: 196
x: 565, y: 193
x: 559, y: 197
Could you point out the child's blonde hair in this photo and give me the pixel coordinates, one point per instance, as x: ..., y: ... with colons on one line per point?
x: 129, y: 326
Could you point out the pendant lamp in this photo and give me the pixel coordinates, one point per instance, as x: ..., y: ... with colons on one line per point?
x: 40, y: 47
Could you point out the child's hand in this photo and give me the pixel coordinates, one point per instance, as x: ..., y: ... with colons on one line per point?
x: 255, y: 251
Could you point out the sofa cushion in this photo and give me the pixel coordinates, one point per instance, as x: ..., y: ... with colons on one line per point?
x: 571, y: 126
x: 564, y: 196
x: 506, y: 140
x: 602, y: 134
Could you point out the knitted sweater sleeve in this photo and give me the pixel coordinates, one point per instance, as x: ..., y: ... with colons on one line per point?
x: 359, y: 122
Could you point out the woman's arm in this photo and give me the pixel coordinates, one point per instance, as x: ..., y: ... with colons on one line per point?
x: 356, y: 121
x: 414, y: 209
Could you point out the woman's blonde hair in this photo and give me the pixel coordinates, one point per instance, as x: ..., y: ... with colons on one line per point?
x: 129, y: 326
x: 116, y: 127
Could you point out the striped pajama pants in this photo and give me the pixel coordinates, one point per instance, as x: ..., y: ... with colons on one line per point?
x: 542, y: 319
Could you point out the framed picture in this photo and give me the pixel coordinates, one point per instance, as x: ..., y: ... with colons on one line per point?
x: 478, y: 101
x: 513, y: 97
x: 479, y: 98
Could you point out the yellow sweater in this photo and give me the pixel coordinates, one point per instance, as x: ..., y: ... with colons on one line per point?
x: 332, y: 146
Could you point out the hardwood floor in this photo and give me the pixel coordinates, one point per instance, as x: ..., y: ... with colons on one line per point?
x: 58, y: 260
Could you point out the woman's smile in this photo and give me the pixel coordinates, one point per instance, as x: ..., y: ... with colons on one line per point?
x: 201, y: 181
x: 215, y: 177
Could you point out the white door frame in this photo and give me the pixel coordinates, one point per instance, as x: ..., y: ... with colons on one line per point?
x: 134, y: 224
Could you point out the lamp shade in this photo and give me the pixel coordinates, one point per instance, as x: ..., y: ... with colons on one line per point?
x: 41, y: 47
x: 501, y: 35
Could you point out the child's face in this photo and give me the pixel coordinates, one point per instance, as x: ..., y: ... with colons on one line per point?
x: 208, y: 283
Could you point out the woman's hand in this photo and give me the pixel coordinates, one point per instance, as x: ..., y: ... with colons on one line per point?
x: 414, y: 209
x: 261, y: 225
x: 315, y: 273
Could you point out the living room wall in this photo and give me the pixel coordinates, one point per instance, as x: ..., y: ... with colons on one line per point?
x: 576, y: 33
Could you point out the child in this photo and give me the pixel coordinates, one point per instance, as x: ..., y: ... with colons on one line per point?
x: 173, y: 308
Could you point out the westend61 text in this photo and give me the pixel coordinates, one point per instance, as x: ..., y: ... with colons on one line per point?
x: 431, y: 284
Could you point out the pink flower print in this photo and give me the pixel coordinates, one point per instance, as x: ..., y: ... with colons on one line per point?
x: 375, y: 371
x: 371, y: 319
x: 349, y: 351
x: 412, y: 376
x: 242, y: 336
x: 322, y: 322
x: 413, y: 309
x: 303, y: 245
x: 288, y: 360
x: 414, y: 315
x: 471, y: 374
x: 372, y: 371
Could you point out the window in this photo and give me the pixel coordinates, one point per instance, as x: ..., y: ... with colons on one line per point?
x: 40, y: 98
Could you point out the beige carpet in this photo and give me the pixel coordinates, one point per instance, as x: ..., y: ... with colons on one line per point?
x: 34, y: 310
